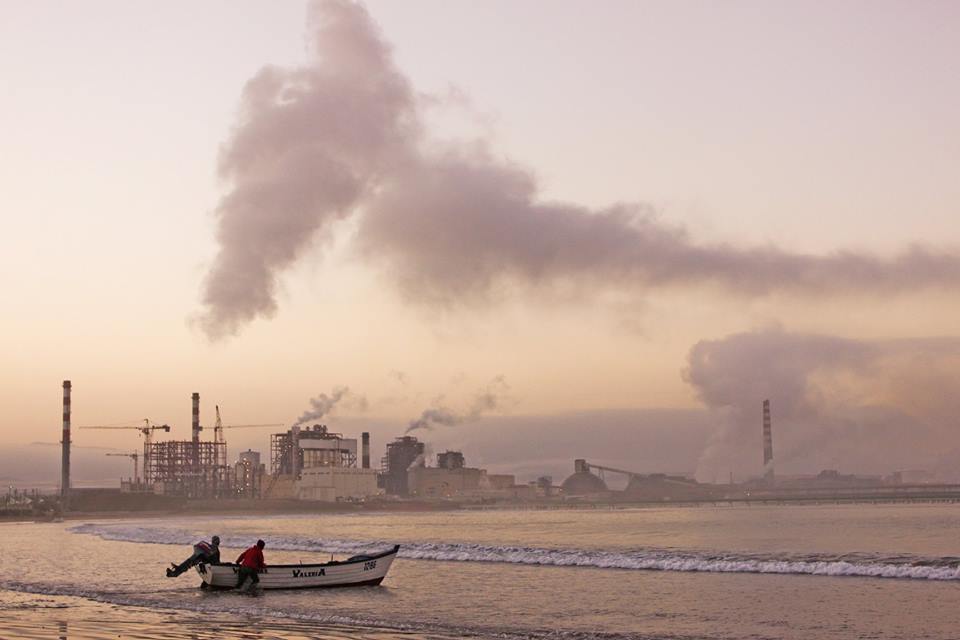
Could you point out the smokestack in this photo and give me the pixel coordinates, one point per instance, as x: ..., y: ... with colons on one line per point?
x: 295, y: 451
x: 65, y: 465
x: 196, y: 417
x: 365, y: 450
x: 767, y: 443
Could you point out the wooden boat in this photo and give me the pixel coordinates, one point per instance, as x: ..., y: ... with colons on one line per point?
x: 354, y: 572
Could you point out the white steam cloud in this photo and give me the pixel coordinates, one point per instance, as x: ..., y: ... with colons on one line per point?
x: 323, y: 404
x: 836, y: 402
x: 343, y: 136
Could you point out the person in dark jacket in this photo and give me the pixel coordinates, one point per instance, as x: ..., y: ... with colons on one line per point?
x: 206, y: 552
x: 251, y: 562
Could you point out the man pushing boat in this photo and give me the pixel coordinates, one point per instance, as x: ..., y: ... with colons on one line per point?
x: 206, y: 552
x: 251, y: 561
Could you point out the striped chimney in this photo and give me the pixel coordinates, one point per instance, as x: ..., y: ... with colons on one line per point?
x: 365, y: 450
x: 767, y: 443
x: 196, y: 417
x: 65, y: 442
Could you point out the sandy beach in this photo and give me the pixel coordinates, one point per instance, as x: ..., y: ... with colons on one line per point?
x: 43, y: 617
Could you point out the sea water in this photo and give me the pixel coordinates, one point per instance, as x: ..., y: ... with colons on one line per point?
x: 818, y: 572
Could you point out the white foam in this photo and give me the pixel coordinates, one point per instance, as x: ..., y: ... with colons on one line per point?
x: 647, y: 559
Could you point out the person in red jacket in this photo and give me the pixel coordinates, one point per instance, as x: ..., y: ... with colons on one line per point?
x: 251, y: 561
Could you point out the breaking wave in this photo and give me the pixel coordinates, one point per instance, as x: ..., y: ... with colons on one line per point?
x: 851, y: 564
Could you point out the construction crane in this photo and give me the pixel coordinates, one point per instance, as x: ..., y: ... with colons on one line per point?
x: 135, y: 456
x: 218, y: 428
x: 146, y: 431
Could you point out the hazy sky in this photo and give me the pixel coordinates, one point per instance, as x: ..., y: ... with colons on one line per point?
x: 758, y: 138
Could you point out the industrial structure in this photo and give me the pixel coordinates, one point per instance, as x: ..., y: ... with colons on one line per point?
x: 582, y: 482
x: 316, y: 464
x: 189, y: 468
x: 640, y: 486
x: 452, y: 478
x: 767, y: 444
x: 402, y: 454
x: 248, y: 475
x: 451, y: 460
x: 65, y: 448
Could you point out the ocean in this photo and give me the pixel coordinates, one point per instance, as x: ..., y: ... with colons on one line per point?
x: 735, y: 572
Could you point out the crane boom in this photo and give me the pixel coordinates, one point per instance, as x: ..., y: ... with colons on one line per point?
x: 134, y: 456
x: 146, y: 430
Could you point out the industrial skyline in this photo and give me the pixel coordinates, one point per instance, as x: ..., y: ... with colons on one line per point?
x: 642, y: 234
x: 313, y: 463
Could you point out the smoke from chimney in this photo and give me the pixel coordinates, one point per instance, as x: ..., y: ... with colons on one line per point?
x: 491, y: 398
x: 323, y: 404
x: 344, y: 136
x: 874, y: 404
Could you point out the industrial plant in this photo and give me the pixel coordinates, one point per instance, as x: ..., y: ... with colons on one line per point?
x: 309, y: 464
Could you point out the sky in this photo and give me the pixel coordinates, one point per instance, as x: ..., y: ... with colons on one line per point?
x: 505, y: 213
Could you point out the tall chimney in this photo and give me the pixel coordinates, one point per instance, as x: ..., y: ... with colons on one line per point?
x: 767, y: 443
x: 295, y: 451
x: 65, y: 464
x: 365, y: 450
x: 196, y: 417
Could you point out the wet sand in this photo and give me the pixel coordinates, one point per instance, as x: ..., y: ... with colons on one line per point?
x: 40, y: 617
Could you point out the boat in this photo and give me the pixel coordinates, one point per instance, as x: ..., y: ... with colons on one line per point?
x: 363, y: 570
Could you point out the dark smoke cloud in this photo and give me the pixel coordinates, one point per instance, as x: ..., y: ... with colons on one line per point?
x: 343, y: 136
x: 323, y: 404
x: 489, y: 399
x: 863, y: 405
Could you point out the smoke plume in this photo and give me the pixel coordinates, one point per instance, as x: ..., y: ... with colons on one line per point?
x: 488, y: 399
x: 310, y: 142
x: 343, y: 136
x: 858, y: 404
x: 323, y: 404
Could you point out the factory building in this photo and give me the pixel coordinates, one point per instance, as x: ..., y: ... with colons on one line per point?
x: 248, y: 475
x: 452, y: 478
x: 439, y: 482
x: 299, y: 448
x: 402, y: 454
x: 582, y: 482
x: 450, y: 460
x: 315, y: 464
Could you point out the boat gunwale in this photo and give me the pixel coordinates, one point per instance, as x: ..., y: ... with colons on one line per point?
x: 335, y: 563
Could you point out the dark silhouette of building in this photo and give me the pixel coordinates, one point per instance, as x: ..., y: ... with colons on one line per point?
x: 402, y: 454
x: 450, y: 460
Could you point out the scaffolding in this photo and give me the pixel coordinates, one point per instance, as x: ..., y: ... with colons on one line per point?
x: 189, y: 468
x: 298, y: 449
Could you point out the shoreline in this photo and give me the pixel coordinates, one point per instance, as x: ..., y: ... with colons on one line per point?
x: 293, y: 508
x: 31, y: 616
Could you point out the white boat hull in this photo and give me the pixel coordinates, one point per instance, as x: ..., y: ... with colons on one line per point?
x: 355, y: 572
